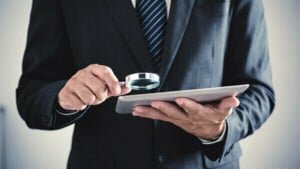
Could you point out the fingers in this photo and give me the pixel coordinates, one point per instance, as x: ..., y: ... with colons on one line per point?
x: 124, y: 90
x: 229, y: 102
x: 90, y: 86
x: 191, y: 106
x: 106, y: 74
x: 170, y: 110
x: 188, y: 105
x: 200, y: 120
x: 87, y: 87
x: 93, y: 91
x: 150, y: 113
x: 70, y: 101
x: 163, y: 111
x: 209, y: 113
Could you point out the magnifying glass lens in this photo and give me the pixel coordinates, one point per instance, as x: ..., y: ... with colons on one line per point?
x: 143, y: 84
x: 142, y: 81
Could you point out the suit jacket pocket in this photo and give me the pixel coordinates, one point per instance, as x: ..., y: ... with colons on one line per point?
x: 230, y: 156
x: 85, y: 159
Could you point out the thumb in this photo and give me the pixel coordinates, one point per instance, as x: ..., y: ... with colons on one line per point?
x: 229, y: 102
x: 125, y: 90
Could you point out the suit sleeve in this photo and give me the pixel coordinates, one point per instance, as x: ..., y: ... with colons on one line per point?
x: 247, y: 61
x: 47, y: 64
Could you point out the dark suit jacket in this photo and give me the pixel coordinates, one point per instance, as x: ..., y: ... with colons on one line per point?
x: 209, y: 43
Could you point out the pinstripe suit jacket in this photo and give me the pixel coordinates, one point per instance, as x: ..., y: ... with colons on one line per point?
x: 209, y: 43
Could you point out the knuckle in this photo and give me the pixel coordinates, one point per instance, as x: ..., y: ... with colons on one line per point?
x: 77, y: 106
x: 217, y: 121
x: 63, y: 93
x: 73, y: 77
x: 198, y: 109
x: 91, y: 66
x: 70, y: 86
x: 78, y: 75
x: 98, y: 91
x: 107, y: 70
x: 147, y: 111
x: 81, y: 73
x: 160, y: 108
x: 85, y: 98
x: 101, y: 97
x: 90, y: 99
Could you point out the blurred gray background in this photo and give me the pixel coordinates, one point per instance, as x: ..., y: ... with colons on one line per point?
x: 274, y: 146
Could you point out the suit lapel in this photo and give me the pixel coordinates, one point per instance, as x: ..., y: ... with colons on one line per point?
x: 179, y: 18
x: 126, y: 20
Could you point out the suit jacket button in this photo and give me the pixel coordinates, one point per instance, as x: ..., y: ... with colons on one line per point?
x: 161, y: 158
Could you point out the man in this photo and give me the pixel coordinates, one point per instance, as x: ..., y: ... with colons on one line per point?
x: 77, y: 51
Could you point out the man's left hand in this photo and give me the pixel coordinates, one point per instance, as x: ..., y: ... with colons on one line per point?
x: 205, y: 121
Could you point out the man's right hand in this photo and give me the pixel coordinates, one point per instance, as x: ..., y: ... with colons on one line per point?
x: 90, y: 86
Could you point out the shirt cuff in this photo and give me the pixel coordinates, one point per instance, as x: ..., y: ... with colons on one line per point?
x: 69, y: 113
x: 217, y: 140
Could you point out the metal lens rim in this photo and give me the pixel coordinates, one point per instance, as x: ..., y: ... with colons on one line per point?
x: 142, y: 76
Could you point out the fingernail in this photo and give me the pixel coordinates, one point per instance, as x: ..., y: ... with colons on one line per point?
x: 134, y: 113
x: 179, y: 102
x: 155, y: 105
x: 138, y: 109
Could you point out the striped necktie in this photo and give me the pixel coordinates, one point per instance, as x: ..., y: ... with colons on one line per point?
x: 153, y: 18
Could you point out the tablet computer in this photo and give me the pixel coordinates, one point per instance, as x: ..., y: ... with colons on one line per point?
x: 125, y: 104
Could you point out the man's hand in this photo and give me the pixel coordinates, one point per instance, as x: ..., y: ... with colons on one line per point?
x: 90, y: 86
x: 205, y: 121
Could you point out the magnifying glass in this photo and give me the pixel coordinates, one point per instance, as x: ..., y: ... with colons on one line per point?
x: 141, y: 81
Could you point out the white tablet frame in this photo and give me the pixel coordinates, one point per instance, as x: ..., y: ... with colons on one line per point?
x: 126, y: 103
